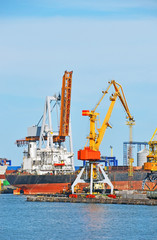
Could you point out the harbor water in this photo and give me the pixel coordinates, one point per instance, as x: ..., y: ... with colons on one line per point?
x: 20, y: 219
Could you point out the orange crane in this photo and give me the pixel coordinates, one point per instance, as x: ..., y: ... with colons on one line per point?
x: 91, y: 153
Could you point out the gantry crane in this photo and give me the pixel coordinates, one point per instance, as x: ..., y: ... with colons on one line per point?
x: 151, y: 164
x: 91, y: 153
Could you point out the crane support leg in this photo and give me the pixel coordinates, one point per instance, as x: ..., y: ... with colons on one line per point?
x: 151, y: 177
x: 77, y: 180
x: 91, y: 178
x: 106, y: 179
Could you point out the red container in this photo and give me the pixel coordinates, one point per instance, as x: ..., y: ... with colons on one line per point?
x: 90, y: 196
x: 112, y: 195
x: 73, y: 196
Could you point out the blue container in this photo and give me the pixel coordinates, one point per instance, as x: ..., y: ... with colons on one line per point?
x: 13, y: 168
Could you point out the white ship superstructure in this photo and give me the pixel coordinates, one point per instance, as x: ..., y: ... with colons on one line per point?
x: 47, y: 151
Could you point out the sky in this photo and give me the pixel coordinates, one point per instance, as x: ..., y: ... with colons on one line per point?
x: 97, y: 40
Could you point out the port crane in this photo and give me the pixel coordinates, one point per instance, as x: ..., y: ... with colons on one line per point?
x: 91, y: 153
x: 151, y: 165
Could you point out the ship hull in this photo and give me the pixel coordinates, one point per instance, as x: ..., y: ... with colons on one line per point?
x: 121, y: 180
x: 48, y: 188
x: 41, y: 184
x: 52, y: 184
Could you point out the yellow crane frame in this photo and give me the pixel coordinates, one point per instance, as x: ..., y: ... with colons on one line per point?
x: 94, y: 138
x: 151, y: 164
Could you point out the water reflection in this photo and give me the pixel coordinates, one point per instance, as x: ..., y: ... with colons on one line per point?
x: 96, y: 218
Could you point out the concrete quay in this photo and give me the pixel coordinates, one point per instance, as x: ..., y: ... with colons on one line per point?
x: 97, y: 200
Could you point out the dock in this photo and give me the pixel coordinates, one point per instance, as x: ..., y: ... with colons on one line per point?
x: 96, y: 200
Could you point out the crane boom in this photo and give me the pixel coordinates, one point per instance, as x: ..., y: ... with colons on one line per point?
x: 118, y: 93
x: 65, y: 104
x: 65, y: 107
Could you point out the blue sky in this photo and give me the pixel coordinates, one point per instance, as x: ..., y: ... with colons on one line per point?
x: 99, y: 41
x: 86, y: 8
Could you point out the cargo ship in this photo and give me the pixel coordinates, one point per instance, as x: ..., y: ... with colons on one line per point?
x: 48, y: 165
x: 31, y: 183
